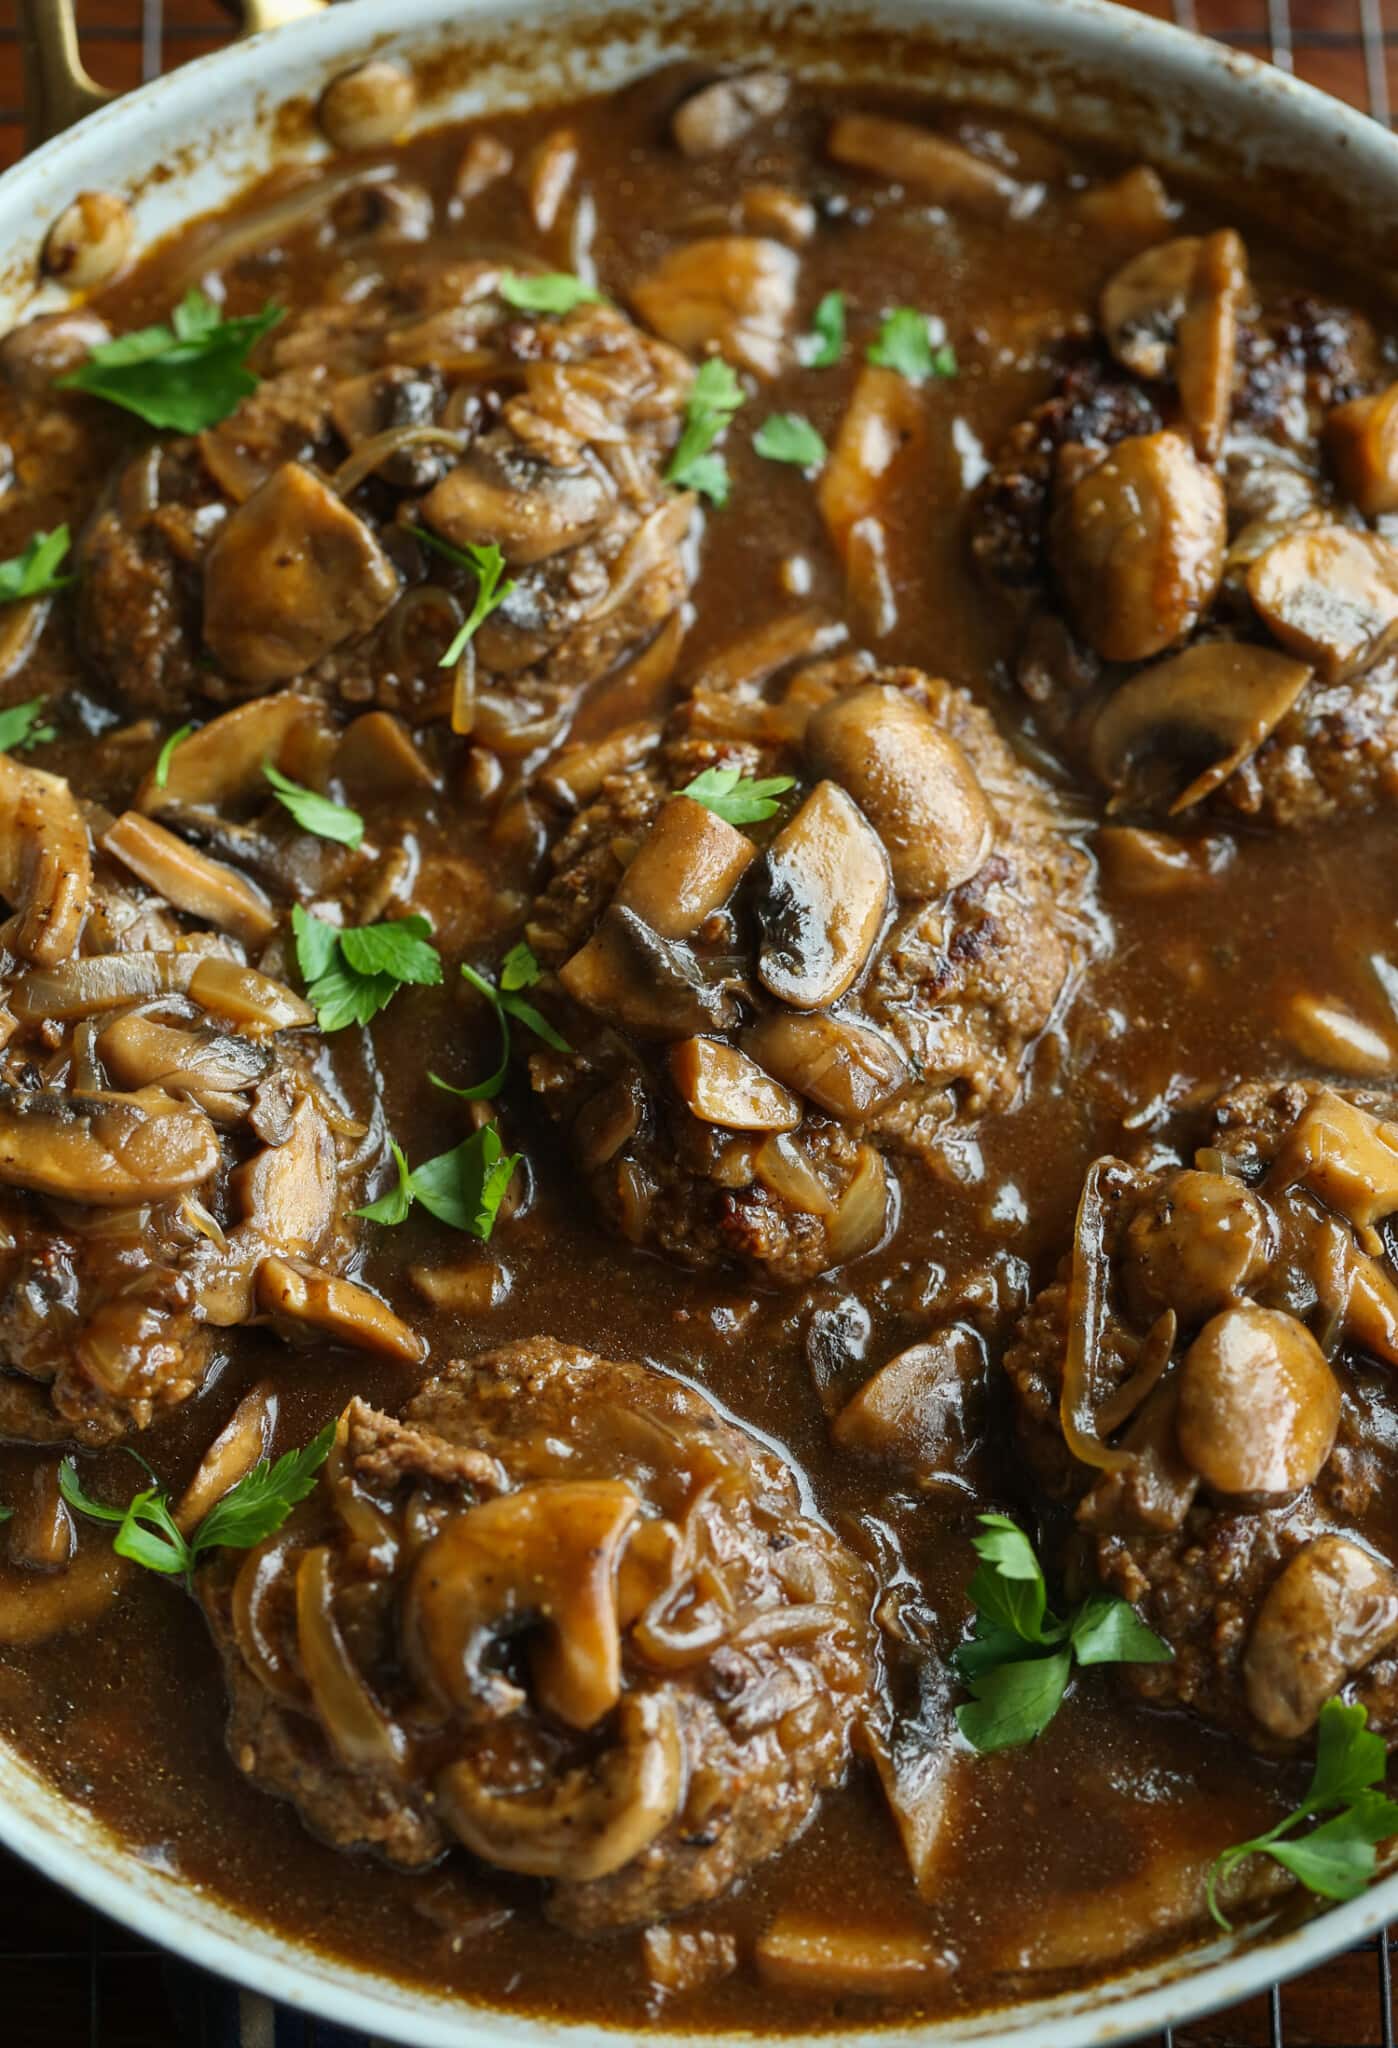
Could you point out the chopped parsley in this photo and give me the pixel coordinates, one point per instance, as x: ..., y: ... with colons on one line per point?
x: 736, y: 798
x: 822, y: 348
x: 519, y: 969
x: 556, y: 291
x: 905, y: 344
x: 714, y: 397
x: 186, y: 376
x: 1018, y: 1659
x: 34, y: 571
x: 463, y: 1187
x: 489, y: 565
x: 352, y: 974
x: 1337, y: 1859
x: 167, y: 754
x: 314, y: 813
x: 146, y: 1530
x: 786, y: 437
x: 21, y: 726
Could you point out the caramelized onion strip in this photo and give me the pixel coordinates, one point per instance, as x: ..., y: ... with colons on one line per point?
x: 1087, y: 1309
x: 359, y: 1731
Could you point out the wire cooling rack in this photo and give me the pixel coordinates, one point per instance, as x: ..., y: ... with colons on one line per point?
x: 69, y: 1979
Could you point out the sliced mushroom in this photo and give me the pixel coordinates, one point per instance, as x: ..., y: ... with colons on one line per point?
x: 35, y: 1606
x: 1135, y: 206
x: 287, y: 1192
x: 89, y: 241
x: 576, y: 773
x: 826, y: 886
x: 1144, y: 302
x: 722, y: 1086
x: 206, y: 1067
x: 369, y: 106
x: 681, y: 1959
x: 1207, y: 344
x: 909, y: 155
x: 1198, y: 1247
x: 542, y: 1559
x: 107, y: 1150
x: 250, y: 1000
x: 245, y: 1438
x: 914, y: 1409
x: 1138, y: 546
x: 1330, y: 594
x: 325, y: 1305
x: 649, y: 985
x: 884, y: 427
x: 291, y: 575
x: 1332, y: 1611
x: 1328, y: 1033
x: 107, y: 981
x: 1361, y: 439
x: 220, y: 766
x: 912, y: 781
x: 734, y: 293
x: 194, y: 882
x: 861, y: 1213
x: 832, y: 1958
x: 591, y: 1822
x: 45, y: 863
x: 527, y: 508
x: 38, y: 351
x: 1344, y: 1155
x: 1217, y: 701
x: 718, y: 115
x: 41, y: 1534
x: 848, y: 1069
x: 1258, y: 1405
x: 378, y: 757
x: 685, y: 869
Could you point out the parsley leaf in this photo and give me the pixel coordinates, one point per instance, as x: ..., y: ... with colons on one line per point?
x: 146, y: 1530
x: 822, y: 348
x: 786, y: 437
x: 518, y: 970
x: 714, y: 397
x: 351, y: 975
x: 463, y: 1187
x: 35, y: 570
x: 313, y: 812
x: 187, y: 376
x: 489, y: 565
x: 167, y: 754
x: 6, y: 1514
x: 556, y: 291
x: 20, y: 726
x: 738, y: 799
x: 1336, y: 1860
x: 904, y: 344
x: 1017, y: 1662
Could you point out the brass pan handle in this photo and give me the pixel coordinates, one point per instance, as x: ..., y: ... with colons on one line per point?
x: 58, y: 89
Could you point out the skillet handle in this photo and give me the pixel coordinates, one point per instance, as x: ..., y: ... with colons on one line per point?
x: 58, y: 89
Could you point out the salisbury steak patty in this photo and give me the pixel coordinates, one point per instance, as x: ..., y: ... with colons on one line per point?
x: 758, y: 1013
x: 1209, y: 1382
x: 563, y: 1612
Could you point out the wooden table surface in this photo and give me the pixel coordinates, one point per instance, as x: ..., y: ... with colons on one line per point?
x: 68, y: 1980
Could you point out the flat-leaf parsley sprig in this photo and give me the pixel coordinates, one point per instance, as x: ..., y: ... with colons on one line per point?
x: 148, y: 1534
x: 714, y: 397
x: 1018, y: 1659
x: 488, y: 565
x: 34, y: 572
x: 737, y: 798
x: 185, y: 376
x: 518, y: 970
x: 1336, y: 1860
x: 463, y: 1187
x: 352, y: 973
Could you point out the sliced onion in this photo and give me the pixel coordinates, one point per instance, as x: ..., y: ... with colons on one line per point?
x: 1087, y: 1313
x: 657, y: 536
x: 463, y: 691
x: 359, y: 1731
x: 1150, y: 1366
x: 367, y: 457
x: 263, y: 1572
x: 862, y: 1211
x: 244, y: 1438
x: 786, y: 1172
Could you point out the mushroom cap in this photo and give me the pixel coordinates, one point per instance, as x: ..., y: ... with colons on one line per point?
x: 1258, y: 1405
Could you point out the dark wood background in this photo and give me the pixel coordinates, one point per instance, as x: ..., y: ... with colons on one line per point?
x: 69, y: 1980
